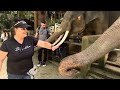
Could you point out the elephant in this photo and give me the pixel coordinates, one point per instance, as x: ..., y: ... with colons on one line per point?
x: 110, y: 39
x: 89, y: 22
x: 76, y: 22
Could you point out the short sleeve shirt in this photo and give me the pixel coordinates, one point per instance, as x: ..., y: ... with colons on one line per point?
x: 19, y: 59
x: 43, y: 33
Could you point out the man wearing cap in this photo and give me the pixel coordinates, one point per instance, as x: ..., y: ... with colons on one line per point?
x: 19, y: 50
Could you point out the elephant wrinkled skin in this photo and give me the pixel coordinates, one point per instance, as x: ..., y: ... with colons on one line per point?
x: 109, y: 40
x: 89, y: 23
x: 75, y: 22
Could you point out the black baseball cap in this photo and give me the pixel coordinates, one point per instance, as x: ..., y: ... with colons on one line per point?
x: 21, y: 24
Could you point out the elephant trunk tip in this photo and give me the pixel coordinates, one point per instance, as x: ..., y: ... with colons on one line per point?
x: 69, y: 73
x: 68, y: 70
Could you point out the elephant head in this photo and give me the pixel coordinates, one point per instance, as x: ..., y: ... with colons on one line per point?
x: 109, y: 40
x: 76, y: 22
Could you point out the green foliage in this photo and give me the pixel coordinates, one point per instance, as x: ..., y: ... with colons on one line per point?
x: 6, y: 17
x: 52, y: 22
x: 3, y: 21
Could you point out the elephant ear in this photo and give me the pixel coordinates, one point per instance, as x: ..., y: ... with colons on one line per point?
x: 92, y: 15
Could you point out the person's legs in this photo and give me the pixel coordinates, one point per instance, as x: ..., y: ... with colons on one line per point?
x: 45, y: 57
x: 13, y: 76
x: 26, y: 76
x: 40, y: 56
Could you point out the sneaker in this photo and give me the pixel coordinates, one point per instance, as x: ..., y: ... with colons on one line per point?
x: 44, y: 65
x: 39, y: 65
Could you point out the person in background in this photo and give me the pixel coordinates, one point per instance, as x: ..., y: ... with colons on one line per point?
x: 42, y: 33
x: 19, y: 50
x: 4, y: 35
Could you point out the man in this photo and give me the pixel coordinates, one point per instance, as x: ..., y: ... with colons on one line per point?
x: 42, y: 34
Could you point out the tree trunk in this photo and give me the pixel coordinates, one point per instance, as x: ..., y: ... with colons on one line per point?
x: 35, y: 20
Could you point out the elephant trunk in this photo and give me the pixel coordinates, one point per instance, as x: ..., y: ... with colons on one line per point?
x: 65, y: 25
x: 104, y: 44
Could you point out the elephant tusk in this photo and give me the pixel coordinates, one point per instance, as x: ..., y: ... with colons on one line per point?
x: 63, y: 39
x: 58, y: 39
